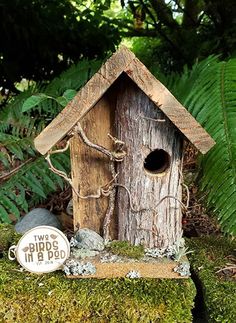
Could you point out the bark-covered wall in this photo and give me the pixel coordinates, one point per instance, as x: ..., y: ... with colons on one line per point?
x: 139, y: 123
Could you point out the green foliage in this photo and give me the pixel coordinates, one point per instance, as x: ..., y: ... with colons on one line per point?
x: 144, y: 48
x: 53, y: 298
x: 183, y: 31
x: 6, y: 236
x: 30, y: 185
x: 208, y: 92
x: 219, y: 294
x: 49, y: 36
x: 33, y: 101
x: 33, y: 181
x: 36, y: 99
x: 124, y: 248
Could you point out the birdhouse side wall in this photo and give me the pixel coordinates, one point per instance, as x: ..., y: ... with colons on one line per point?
x: 90, y: 169
x: 148, y: 203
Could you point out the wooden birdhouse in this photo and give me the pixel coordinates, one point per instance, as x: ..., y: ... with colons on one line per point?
x: 126, y: 134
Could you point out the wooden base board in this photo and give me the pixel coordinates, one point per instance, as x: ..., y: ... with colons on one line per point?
x: 146, y: 270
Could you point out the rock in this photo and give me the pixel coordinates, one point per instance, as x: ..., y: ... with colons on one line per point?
x: 69, y: 208
x: 89, y: 239
x: 35, y: 218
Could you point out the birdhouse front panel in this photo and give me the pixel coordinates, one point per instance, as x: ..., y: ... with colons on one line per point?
x: 148, y: 203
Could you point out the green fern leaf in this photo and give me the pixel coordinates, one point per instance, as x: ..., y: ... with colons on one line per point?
x: 16, y: 150
x: 33, y: 101
x: 9, y: 205
x: 4, y: 215
x: 34, y: 181
x: 69, y: 94
x: 4, y: 159
x: 211, y: 98
x: 34, y: 184
x: 62, y: 101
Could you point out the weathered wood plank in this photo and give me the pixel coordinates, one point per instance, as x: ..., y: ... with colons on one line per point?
x: 146, y: 270
x: 123, y: 60
x: 75, y: 175
x: 154, y: 225
x: 85, y: 99
x: 167, y: 103
x: 90, y: 168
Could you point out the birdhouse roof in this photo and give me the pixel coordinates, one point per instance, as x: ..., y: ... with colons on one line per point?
x: 123, y: 61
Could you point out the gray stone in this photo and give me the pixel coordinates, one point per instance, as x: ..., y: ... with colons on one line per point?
x: 89, y: 239
x: 69, y: 208
x: 35, y: 218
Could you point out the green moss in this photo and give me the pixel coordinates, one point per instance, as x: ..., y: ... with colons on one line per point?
x: 124, y: 248
x: 8, y: 236
x: 219, y: 294
x: 53, y: 298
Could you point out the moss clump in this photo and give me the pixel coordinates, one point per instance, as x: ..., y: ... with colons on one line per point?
x: 8, y: 236
x: 219, y: 293
x: 26, y: 297
x: 125, y: 249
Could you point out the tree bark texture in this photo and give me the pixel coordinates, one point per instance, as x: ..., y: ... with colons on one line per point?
x: 151, y: 222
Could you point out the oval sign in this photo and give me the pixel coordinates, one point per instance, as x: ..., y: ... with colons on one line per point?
x: 42, y: 249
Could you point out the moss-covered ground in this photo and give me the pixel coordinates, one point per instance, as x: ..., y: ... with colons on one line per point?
x: 210, y: 254
x: 124, y: 248
x: 26, y: 297
x: 8, y: 236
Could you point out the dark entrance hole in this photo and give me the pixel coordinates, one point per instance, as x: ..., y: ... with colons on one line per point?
x: 157, y: 162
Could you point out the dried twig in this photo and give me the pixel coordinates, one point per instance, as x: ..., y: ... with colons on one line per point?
x: 188, y: 195
x: 62, y: 150
x: 15, y: 170
x: 230, y: 267
x: 111, y: 205
x: 85, y: 139
x: 101, y: 191
x: 152, y: 119
x: 109, y: 189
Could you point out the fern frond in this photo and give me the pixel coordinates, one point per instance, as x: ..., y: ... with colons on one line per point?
x: 30, y: 185
x: 11, y: 117
x: 211, y: 98
x: 16, y: 145
x: 33, y: 182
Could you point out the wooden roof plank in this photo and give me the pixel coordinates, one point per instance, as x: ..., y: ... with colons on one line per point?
x: 170, y: 106
x: 85, y: 99
x: 123, y: 61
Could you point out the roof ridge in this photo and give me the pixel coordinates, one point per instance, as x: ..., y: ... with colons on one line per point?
x: 121, y: 61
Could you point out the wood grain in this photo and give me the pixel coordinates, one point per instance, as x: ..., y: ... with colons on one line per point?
x: 75, y: 159
x: 85, y: 99
x: 123, y: 61
x: 167, y: 103
x: 146, y: 270
x: 90, y: 168
x: 157, y: 226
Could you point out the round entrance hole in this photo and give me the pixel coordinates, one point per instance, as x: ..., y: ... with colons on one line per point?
x: 157, y: 162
